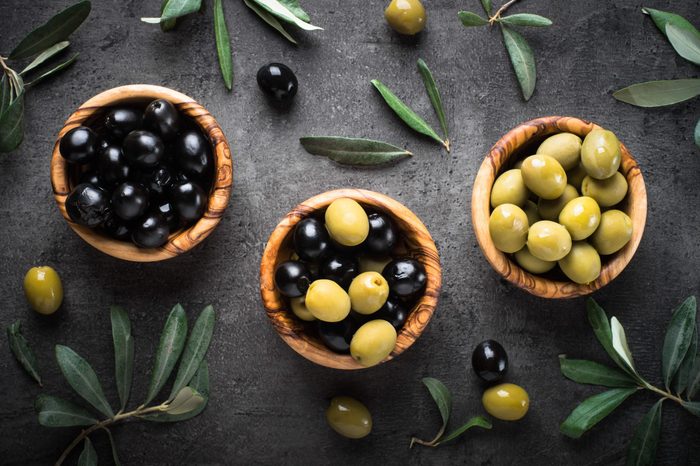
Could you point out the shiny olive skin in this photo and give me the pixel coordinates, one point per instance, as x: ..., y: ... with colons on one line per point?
x: 311, y: 240
x: 600, y: 154
x: 406, y: 16
x: 532, y: 213
x: 490, y: 361
x: 608, y: 192
x: 43, y: 289
x: 91, y: 177
x: 129, y: 200
x: 299, y: 309
x: 368, y: 292
x: 120, y: 121
x: 544, y: 176
x: 189, y: 200
x: 564, y: 147
x: 278, y: 82
x: 292, y: 278
x: 549, y: 209
x: 548, y: 241
x: 159, y: 181
x: 151, y: 231
x: 405, y: 277
x: 88, y: 205
x: 347, y: 222
x: 575, y: 176
x: 508, y: 227
x: 167, y: 210
x: 532, y: 264
x: 348, y: 417
x: 373, y: 342
x: 581, y: 217
x: 327, y: 301
x: 509, y: 188
x: 373, y: 264
x: 143, y: 148
x: 117, y: 228
x: 393, y: 311
x: 506, y: 401
x: 582, y: 264
x: 382, y: 234
x: 341, y: 268
x: 162, y: 118
x: 79, y: 145
x: 613, y: 233
x: 337, y: 335
x: 112, y: 165
x: 193, y: 154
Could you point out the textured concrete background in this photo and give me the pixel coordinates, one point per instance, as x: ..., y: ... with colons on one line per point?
x: 267, y: 402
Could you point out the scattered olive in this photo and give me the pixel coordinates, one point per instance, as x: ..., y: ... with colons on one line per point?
x: 151, y: 231
x: 162, y: 118
x: 406, y: 16
x: 311, y: 240
x: 292, y: 278
x: 193, y: 154
x: 79, y: 145
x: 490, y: 361
x: 189, y: 200
x: 507, y: 401
x: 299, y: 309
x: 337, y: 335
x: 349, y: 417
x: 88, y: 205
x: 347, y: 222
x: 277, y: 81
x: 368, y: 292
x: 393, y: 311
x: 373, y: 342
x: 129, y: 201
x: 405, y: 277
x: 120, y: 121
x: 112, y: 166
x: 382, y: 234
x: 600, y: 154
x: 509, y: 188
x: 43, y: 289
x: 143, y: 148
x: 341, y: 268
x: 613, y: 233
x: 508, y: 226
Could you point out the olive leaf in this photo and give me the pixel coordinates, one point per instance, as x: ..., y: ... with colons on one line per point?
x: 113, y: 444
x: 58, y: 68
x: 123, y: 352
x: 270, y: 20
x: 659, y: 93
x: 593, y: 373
x: 172, y: 341
x: 487, y: 5
x: 280, y: 11
x: 678, y: 339
x: 470, y: 19
x: 694, y: 378
x: 619, y: 342
x: 663, y: 18
x: 682, y: 377
x: 199, y: 383
x: 82, y: 378
x: 442, y: 397
x: 353, y: 151
x: 642, y: 449
x: 697, y: 133
x: 693, y: 407
x: 685, y: 42
x: 601, y: 328
x: 295, y: 8
x: 12, y: 123
x: 477, y: 421
x: 45, y: 55
x: 195, y: 350
x: 56, y: 412
x: 526, y: 19
x: 22, y: 351
x: 88, y: 457
x: 5, y: 93
x: 175, y: 9
x: 522, y: 59
x: 223, y: 44
x: 185, y: 401
x: 434, y: 95
x: 168, y: 24
x: 593, y: 410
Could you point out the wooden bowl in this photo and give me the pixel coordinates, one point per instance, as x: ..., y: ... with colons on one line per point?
x: 522, y: 141
x: 417, y: 243
x: 63, y: 175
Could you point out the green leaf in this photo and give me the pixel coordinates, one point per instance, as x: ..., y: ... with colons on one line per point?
x: 278, y: 10
x: 601, y: 328
x: 697, y: 133
x: 663, y: 18
x: 166, y: 25
x: 88, y: 457
x: 200, y: 383
x: 22, y: 351
x: 406, y: 113
x: 526, y: 19
x: 55, y: 30
x: 223, y: 44
x: 123, y: 352
x: 659, y: 93
x: 619, y: 342
x: 195, y: 350
x: 172, y: 341
x: 113, y: 444
x: 5, y: 94
x: 56, y: 412
x: 45, y: 55
x: 470, y: 19
x: 83, y: 379
x: 487, y: 5
x: 12, y: 124
x: 434, y: 95
x: 293, y: 6
x: 678, y: 338
x: 442, y: 397
x: 642, y: 449
x: 694, y: 378
x: 56, y: 69
x: 353, y: 151
x: 186, y: 401
x: 270, y: 20
x: 477, y: 421
x: 693, y: 407
x: 592, y: 410
x: 175, y: 9
x: 523, y: 60
x: 680, y: 381
x: 686, y: 43
x: 590, y: 372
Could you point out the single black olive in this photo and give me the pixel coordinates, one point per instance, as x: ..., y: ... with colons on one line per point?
x: 193, y: 154
x: 277, y: 81
x: 162, y: 118
x: 168, y: 211
x: 143, y: 148
x: 151, y: 231
x: 79, y: 145
x: 311, y: 239
x: 406, y: 277
x: 129, y: 200
x: 112, y: 165
x: 158, y: 181
x: 91, y: 177
x: 341, y: 268
x: 189, y: 200
x: 88, y: 205
x: 292, y: 278
x: 382, y: 234
x: 393, y: 311
x: 116, y: 228
x: 490, y: 361
x: 120, y: 121
x: 337, y: 335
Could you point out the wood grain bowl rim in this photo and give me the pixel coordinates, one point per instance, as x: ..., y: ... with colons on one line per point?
x: 421, y: 247
x: 498, y: 157
x: 182, y: 240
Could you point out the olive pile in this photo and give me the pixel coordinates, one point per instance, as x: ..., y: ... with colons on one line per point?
x: 343, y: 276
x: 572, y: 220
x: 143, y: 174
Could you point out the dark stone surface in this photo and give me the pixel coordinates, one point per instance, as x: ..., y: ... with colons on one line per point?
x: 267, y: 402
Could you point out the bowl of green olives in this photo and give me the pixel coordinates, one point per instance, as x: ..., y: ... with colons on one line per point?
x: 559, y: 207
x: 142, y: 173
x: 350, y: 278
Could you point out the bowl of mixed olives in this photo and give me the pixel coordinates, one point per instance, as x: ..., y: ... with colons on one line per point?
x: 142, y: 173
x: 350, y: 278
x: 559, y: 207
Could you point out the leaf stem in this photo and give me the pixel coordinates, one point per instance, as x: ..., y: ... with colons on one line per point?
x: 663, y: 393
x: 500, y: 11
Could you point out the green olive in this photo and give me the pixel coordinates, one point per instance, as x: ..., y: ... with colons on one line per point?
x: 614, y: 231
x: 406, y: 16
x: 531, y: 263
x: 373, y: 342
x: 299, y: 309
x: 581, y: 216
x: 576, y: 175
x: 582, y: 264
x: 506, y: 401
x: 608, y: 192
x: 549, y: 209
x: 509, y: 188
x: 533, y: 215
x: 544, y: 176
x: 368, y: 292
x: 349, y: 417
x: 373, y: 264
x: 327, y: 301
x: 600, y: 154
x: 347, y: 222
x: 565, y: 147
x: 43, y: 289
x: 548, y: 241
x: 508, y: 227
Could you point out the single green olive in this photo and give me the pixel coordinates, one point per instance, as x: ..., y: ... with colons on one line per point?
x: 509, y: 188
x: 347, y: 222
x: 349, y: 417
x: 368, y: 292
x: 406, y: 16
x: 373, y: 342
x: 600, y: 154
x: 576, y: 175
x: 582, y: 264
x: 508, y: 227
x: 533, y: 215
x: 544, y: 176
x: 373, y: 264
x: 506, y: 401
x: 565, y: 147
x: 614, y: 231
x: 300, y: 310
x: 548, y: 241
x: 531, y: 263
x: 43, y: 289
x: 549, y: 209
x: 327, y: 301
x: 581, y: 216
x: 608, y: 192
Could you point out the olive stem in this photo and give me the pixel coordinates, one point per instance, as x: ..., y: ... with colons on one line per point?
x: 663, y: 393
x: 446, y: 143
x: 500, y: 11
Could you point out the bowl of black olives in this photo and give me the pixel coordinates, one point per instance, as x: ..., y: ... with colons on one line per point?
x: 142, y: 173
x: 350, y: 278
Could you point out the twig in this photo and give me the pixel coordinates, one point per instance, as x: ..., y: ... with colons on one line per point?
x: 500, y: 11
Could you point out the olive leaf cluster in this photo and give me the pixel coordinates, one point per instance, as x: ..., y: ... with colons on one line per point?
x: 680, y: 372
x: 45, y: 43
x: 275, y: 13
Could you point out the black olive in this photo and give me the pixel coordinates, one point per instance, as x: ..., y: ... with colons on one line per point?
x: 292, y: 278
x: 277, y: 81
x: 151, y: 231
x: 405, y: 277
x: 120, y: 121
x: 103, y: 144
x: 88, y: 205
x: 162, y: 118
x: 143, y: 148
x: 116, y: 228
x: 112, y: 166
x: 382, y: 234
x: 168, y: 211
x: 393, y: 311
x: 490, y: 361
x: 91, y: 177
x: 158, y: 181
x: 79, y: 145
x: 189, y: 200
x: 311, y: 239
x: 340, y: 268
x: 337, y: 335
x: 193, y: 154
x: 129, y: 200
